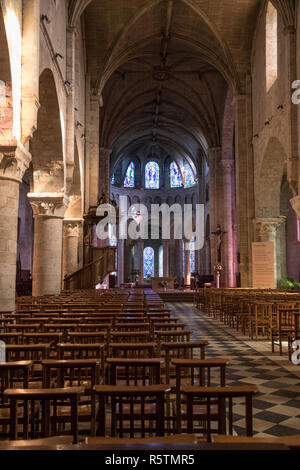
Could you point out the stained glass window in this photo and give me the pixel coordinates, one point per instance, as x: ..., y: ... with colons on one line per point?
x: 148, y: 262
x: 192, y: 257
x: 175, y: 176
x: 113, y: 179
x: 129, y: 181
x: 152, y: 176
x: 188, y: 176
x: 161, y: 261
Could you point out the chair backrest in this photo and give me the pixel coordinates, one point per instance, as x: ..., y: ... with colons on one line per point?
x: 27, y: 352
x: 88, y: 337
x: 134, y: 410
x: 133, y: 350
x: 130, y: 337
x: 138, y: 372
x: 222, y: 397
x: 70, y: 373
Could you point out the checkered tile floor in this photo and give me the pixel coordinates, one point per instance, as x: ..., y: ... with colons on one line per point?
x: 276, y: 407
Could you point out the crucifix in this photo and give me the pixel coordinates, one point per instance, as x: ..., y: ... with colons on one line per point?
x: 220, y: 234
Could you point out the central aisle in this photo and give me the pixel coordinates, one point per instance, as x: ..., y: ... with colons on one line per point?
x: 276, y: 408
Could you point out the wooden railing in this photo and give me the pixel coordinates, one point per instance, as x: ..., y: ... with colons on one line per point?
x: 93, y: 273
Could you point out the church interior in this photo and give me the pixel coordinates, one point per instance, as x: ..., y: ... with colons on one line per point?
x: 185, y: 332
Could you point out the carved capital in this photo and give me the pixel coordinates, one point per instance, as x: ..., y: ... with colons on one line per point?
x: 72, y: 227
x: 104, y: 153
x: 266, y: 229
x: 48, y: 205
x: 14, y: 161
x: 227, y: 165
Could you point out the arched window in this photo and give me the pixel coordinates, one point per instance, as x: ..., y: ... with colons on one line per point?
x: 271, y: 46
x: 188, y: 176
x: 148, y: 262
x: 152, y: 176
x: 175, y: 176
x: 192, y: 257
x: 129, y: 181
x: 161, y: 261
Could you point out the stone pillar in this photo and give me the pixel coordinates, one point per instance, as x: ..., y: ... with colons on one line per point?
x: 187, y: 271
x: 71, y: 234
x: 14, y: 161
x: 104, y: 171
x: 121, y: 244
x: 47, y: 256
x: 92, y: 152
x: 70, y: 129
x: 156, y: 261
x: 293, y: 169
x: 266, y: 231
x: 30, y: 67
x: 141, y: 260
x: 244, y: 182
x: 227, y: 255
x: 166, y: 257
x: 214, y: 189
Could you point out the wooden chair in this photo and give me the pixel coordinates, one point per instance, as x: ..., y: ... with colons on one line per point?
x: 209, y: 395
x: 10, y: 338
x: 50, y: 400
x: 73, y: 351
x: 284, y: 327
x: 42, y: 338
x: 175, y: 336
x: 133, y: 350
x: 132, y: 371
x: 12, y: 375
x: 138, y: 406
x: 130, y: 336
x: 88, y: 337
x: 189, y: 372
x: 187, y: 350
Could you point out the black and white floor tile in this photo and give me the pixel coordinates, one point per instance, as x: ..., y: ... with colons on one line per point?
x: 276, y: 407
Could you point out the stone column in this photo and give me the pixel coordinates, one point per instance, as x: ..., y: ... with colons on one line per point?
x: 92, y: 152
x: 227, y: 255
x: 71, y: 233
x: 104, y: 171
x: 214, y: 189
x: 244, y: 182
x: 141, y: 260
x: 48, y: 230
x: 166, y: 257
x: 70, y: 128
x: 121, y: 244
x: 266, y: 231
x: 292, y: 111
x: 14, y: 160
x: 187, y: 271
x: 30, y: 67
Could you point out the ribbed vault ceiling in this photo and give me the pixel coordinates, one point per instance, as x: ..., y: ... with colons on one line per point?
x: 163, y: 68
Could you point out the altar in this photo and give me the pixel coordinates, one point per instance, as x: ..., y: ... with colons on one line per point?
x: 156, y: 282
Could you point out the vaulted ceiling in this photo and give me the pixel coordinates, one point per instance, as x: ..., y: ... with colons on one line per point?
x: 164, y: 67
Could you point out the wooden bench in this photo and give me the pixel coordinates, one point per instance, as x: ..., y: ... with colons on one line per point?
x: 48, y: 398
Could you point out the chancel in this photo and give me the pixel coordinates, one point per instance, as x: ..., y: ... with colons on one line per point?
x: 151, y: 340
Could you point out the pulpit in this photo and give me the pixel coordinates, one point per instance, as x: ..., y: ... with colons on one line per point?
x: 157, y: 282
